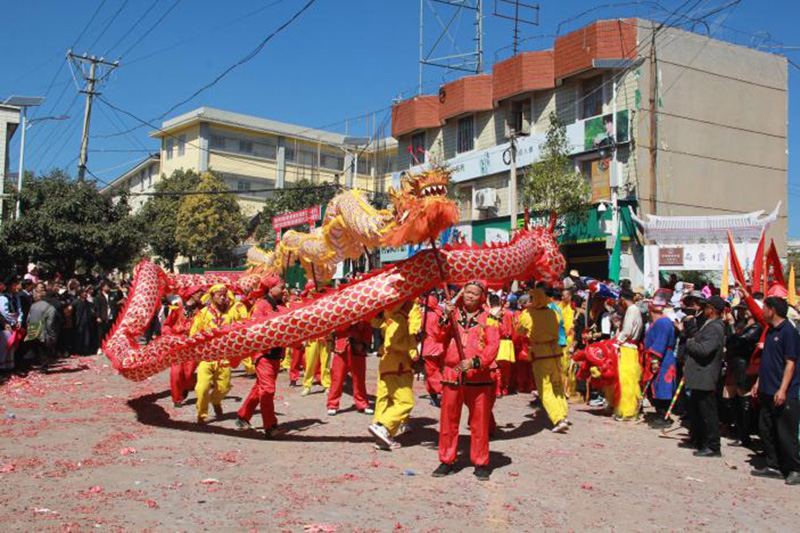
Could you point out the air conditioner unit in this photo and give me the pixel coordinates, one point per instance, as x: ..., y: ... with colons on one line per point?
x: 486, y: 198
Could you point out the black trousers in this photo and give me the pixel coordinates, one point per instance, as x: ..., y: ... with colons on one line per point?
x: 778, y: 427
x: 704, y: 419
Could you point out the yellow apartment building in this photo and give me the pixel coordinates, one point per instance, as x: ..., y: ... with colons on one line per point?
x: 254, y: 155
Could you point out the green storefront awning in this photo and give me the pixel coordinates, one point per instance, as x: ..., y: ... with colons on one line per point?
x: 590, y: 228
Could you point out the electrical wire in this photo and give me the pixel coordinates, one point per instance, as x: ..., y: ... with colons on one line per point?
x: 109, y: 23
x: 133, y: 27
x: 150, y: 30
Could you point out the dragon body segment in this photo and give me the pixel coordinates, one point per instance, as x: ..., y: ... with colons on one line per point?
x: 531, y: 253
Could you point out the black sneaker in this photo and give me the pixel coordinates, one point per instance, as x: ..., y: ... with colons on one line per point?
x: 793, y: 478
x: 275, y: 432
x: 707, y: 452
x: 243, y: 425
x: 217, y: 411
x: 177, y: 404
x: 435, y: 402
x: 443, y: 470
x: 767, y: 471
x: 293, y: 383
x: 482, y: 473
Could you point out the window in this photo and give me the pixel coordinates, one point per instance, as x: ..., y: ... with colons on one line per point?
x: 242, y: 185
x: 289, y: 154
x: 246, y: 147
x: 597, y: 173
x: 267, y: 148
x: 333, y: 162
x: 418, y: 146
x: 181, y: 145
x: 466, y: 134
x: 591, y: 103
x: 518, y: 120
x: 168, y: 149
x: 363, y: 165
x: 217, y: 142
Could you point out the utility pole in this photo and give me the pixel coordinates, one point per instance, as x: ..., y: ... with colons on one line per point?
x: 653, y: 126
x: 512, y: 185
x: 92, y: 80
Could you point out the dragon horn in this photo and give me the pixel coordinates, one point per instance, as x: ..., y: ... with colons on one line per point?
x: 552, y: 225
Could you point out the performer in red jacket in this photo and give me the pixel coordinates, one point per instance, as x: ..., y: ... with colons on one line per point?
x: 432, y: 348
x: 179, y: 322
x: 267, y: 366
x: 468, y: 380
x: 350, y: 356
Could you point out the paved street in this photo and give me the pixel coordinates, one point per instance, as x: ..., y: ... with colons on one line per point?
x: 85, y: 449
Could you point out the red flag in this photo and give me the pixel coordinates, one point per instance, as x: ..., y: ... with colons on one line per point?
x: 774, y: 265
x: 758, y: 267
x: 736, y: 266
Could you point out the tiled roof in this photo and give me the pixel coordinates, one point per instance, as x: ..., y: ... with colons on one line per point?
x: 746, y: 226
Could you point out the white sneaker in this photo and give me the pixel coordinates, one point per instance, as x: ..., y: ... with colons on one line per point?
x: 561, y: 427
x: 382, y: 434
x: 368, y: 411
x: 331, y: 412
x: 305, y: 392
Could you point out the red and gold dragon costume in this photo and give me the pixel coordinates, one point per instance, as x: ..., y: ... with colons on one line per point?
x: 421, y: 212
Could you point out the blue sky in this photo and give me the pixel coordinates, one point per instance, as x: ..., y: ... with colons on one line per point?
x: 339, y: 61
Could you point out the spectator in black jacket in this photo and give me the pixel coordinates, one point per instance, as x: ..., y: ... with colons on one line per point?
x: 743, y: 337
x: 778, y: 387
x: 702, y: 371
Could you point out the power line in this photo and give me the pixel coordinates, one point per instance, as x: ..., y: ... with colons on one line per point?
x: 203, y: 33
x: 253, y: 53
x: 150, y: 30
x: 109, y: 23
x: 133, y: 27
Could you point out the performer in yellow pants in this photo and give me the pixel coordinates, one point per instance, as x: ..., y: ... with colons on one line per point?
x: 540, y: 324
x: 316, y: 351
x: 394, y: 397
x: 549, y: 383
x: 213, y: 384
x: 214, y: 377
x: 630, y: 372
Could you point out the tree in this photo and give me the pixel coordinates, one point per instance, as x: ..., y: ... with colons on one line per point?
x: 303, y: 195
x: 209, y: 226
x: 159, y: 214
x: 67, y: 224
x: 552, y: 184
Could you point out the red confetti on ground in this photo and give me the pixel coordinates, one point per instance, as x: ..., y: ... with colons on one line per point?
x: 587, y: 486
x: 7, y: 468
x: 127, y: 451
x: 230, y: 457
x: 151, y: 504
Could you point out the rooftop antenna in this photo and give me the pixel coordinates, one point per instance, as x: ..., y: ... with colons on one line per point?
x: 519, y: 12
x: 471, y: 60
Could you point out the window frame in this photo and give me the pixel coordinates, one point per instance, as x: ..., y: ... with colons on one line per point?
x: 462, y: 137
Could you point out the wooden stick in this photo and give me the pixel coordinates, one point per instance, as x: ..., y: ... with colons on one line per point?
x: 451, y: 315
x: 314, y: 275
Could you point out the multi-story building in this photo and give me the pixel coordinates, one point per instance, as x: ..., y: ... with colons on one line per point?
x: 9, y: 122
x: 661, y: 122
x: 254, y: 154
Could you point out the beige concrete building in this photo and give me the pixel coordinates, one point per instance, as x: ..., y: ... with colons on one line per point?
x: 253, y: 154
x: 718, y: 146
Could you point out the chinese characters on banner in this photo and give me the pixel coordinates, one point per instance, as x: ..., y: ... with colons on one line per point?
x: 295, y: 218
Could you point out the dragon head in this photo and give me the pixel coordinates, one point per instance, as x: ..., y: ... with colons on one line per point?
x: 422, y: 209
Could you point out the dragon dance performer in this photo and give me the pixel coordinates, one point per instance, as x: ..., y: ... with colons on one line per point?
x: 630, y: 371
x: 214, y: 377
x: 541, y: 326
x: 659, y: 347
x: 316, y: 356
x: 568, y: 313
x: 468, y: 381
x: 431, y: 349
x: 521, y: 372
x: 505, y: 356
x: 267, y: 365
x: 394, y: 398
x: 179, y: 322
x: 350, y: 357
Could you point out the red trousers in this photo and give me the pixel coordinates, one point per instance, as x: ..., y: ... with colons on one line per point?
x: 181, y: 379
x: 356, y: 366
x: 297, y: 363
x: 433, y: 374
x: 522, y: 377
x: 479, y: 400
x: 504, y: 377
x: 263, y: 392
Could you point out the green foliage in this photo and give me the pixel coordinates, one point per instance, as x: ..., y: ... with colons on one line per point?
x: 66, y: 224
x: 160, y: 215
x: 209, y: 226
x: 552, y: 184
x: 302, y: 195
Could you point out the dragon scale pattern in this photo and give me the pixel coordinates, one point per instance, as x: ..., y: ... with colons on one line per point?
x: 531, y: 253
